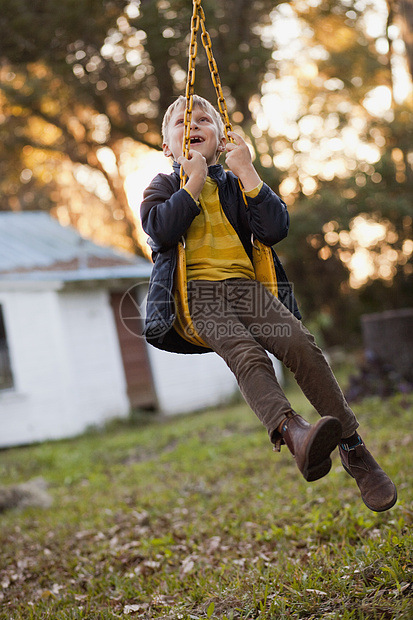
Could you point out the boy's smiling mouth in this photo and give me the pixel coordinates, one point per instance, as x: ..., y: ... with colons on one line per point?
x: 197, y: 140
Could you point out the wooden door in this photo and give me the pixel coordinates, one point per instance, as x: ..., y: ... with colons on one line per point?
x: 138, y: 374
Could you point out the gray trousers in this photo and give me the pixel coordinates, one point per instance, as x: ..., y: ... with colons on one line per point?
x: 240, y: 320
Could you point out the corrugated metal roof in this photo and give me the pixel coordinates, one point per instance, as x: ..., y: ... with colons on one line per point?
x: 33, y: 242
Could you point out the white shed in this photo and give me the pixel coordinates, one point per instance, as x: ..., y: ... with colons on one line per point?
x: 67, y: 357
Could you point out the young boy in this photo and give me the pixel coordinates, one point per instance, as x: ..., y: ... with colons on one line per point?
x: 235, y: 315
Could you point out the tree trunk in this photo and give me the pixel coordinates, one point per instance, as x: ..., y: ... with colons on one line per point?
x: 403, y: 11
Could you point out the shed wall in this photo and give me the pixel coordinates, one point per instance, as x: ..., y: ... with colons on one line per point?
x: 95, y: 362
x: 39, y: 406
x: 66, y: 365
x: 189, y: 382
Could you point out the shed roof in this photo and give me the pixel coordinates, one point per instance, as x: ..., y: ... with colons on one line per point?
x: 34, y: 246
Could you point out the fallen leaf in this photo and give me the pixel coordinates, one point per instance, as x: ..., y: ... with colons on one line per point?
x: 318, y: 592
x: 213, y: 544
x: 151, y: 564
x: 85, y: 534
x: 188, y: 564
x: 130, y: 609
x: 142, y: 517
x: 163, y: 600
x: 239, y: 562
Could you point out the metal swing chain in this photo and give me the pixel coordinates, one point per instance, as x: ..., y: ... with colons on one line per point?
x: 198, y: 19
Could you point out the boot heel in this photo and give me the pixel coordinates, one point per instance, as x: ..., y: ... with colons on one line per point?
x: 312, y: 445
x: 317, y: 471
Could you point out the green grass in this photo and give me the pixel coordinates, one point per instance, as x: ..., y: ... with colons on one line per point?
x: 195, y: 517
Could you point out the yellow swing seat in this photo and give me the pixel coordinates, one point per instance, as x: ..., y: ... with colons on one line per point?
x: 183, y: 323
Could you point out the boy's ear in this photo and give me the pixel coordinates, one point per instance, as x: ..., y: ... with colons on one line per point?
x: 166, y: 150
x: 221, y: 144
x: 221, y: 148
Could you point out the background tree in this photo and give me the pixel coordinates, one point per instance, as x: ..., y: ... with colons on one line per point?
x: 350, y: 248
x: 77, y: 81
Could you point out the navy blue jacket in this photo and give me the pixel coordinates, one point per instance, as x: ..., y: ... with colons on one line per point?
x: 167, y: 212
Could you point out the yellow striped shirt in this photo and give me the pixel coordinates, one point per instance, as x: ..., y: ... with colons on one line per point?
x: 213, y: 248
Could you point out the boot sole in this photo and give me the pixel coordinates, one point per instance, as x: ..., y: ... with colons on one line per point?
x: 317, y: 459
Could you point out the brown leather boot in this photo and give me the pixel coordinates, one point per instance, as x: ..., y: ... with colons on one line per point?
x: 311, y: 445
x: 377, y: 490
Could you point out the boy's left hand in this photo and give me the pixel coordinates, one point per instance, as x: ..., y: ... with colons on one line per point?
x: 239, y: 161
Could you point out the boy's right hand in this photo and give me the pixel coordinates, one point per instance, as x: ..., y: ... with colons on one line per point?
x: 196, y: 169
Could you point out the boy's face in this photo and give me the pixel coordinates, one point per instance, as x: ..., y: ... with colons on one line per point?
x: 204, y: 135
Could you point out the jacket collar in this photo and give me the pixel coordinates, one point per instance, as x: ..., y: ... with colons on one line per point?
x: 216, y: 171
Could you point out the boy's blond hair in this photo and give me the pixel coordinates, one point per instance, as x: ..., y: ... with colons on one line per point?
x: 197, y: 101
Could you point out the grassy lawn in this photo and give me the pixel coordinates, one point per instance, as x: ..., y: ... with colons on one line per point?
x: 195, y: 517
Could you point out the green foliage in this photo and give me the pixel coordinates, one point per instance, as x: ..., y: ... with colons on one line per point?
x: 321, y: 280
x: 195, y: 517
x: 26, y: 26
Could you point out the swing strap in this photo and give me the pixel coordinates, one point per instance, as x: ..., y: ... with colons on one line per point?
x: 183, y: 323
x: 198, y: 19
x: 263, y: 262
